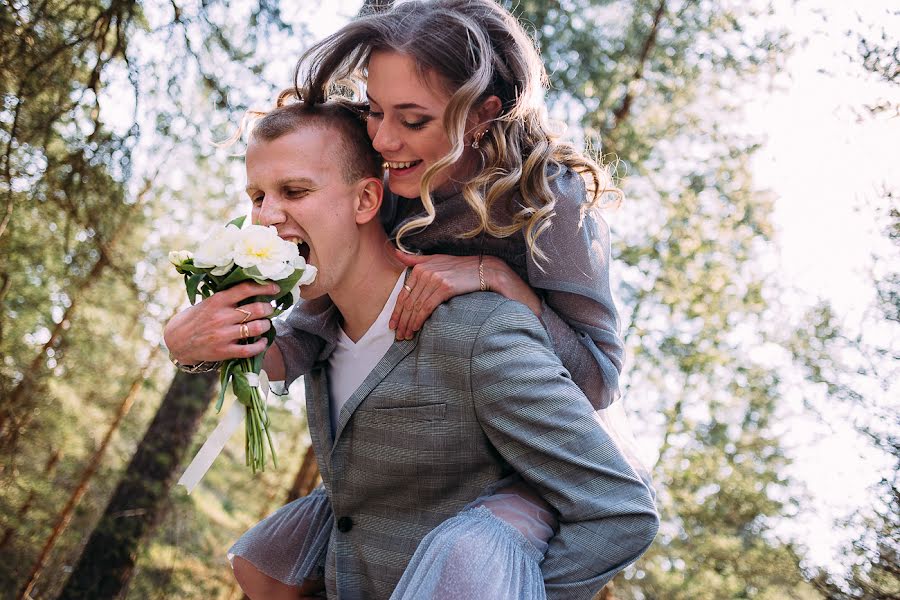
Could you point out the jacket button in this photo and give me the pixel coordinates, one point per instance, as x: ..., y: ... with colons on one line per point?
x: 345, y: 524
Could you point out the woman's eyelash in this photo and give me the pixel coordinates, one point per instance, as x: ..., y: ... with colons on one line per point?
x: 374, y: 114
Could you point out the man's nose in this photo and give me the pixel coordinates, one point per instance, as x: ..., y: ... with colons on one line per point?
x: 386, y: 139
x: 270, y: 212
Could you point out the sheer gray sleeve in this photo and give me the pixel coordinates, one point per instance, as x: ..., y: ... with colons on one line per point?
x: 578, y: 310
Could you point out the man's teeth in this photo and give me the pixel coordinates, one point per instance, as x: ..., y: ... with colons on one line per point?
x: 399, y: 165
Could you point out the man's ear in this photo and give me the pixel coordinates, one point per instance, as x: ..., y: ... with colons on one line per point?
x: 369, y: 193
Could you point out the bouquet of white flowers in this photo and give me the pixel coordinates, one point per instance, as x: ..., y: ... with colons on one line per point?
x: 229, y: 256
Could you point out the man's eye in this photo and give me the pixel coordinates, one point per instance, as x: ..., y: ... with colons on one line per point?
x: 295, y: 193
x: 257, y: 200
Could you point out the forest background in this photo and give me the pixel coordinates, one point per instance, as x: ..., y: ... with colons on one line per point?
x: 765, y: 394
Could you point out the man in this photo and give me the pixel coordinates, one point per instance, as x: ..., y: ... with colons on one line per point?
x: 409, y: 433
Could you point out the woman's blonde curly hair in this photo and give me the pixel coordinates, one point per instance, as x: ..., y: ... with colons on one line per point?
x: 479, y: 50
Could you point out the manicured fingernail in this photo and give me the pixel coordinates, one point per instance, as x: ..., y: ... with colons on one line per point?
x: 274, y: 289
x: 392, y: 325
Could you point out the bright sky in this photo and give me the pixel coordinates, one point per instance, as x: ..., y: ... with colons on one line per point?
x: 823, y: 162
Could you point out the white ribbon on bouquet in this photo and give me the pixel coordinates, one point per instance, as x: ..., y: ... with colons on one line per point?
x: 216, y: 441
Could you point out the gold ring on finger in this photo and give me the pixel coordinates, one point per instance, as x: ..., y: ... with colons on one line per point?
x: 245, y: 331
x: 247, y: 314
x: 407, y: 288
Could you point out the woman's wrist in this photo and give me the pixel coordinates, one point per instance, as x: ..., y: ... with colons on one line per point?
x: 500, y: 278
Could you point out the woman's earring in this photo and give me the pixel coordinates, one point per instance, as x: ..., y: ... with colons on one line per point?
x: 477, y: 141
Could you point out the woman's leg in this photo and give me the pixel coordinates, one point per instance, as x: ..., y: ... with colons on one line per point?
x: 283, y: 555
x: 259, y: 586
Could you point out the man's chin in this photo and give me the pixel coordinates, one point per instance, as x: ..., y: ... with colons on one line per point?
x: 310, y: 292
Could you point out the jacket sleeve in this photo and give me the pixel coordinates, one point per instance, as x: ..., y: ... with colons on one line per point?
x: 573, y: 277
x: 301, y: 335
x: 545, y: 428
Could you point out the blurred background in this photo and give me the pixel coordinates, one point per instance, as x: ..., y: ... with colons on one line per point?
x: 757, y: 272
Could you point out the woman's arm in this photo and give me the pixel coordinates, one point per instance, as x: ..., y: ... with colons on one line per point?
x: 568, y: 289
x: 438, y: 277
x: 583, y: 330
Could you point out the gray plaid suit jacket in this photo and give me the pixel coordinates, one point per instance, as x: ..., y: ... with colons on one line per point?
x: 477, y: 395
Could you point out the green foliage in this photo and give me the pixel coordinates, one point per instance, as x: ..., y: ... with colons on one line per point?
x: 655, y: 81
x: 87, y: 192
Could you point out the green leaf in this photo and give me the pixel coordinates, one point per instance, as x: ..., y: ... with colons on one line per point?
x: 240, y: 386
x: 258, y: 360
x: 236, y: 276
x: 223, y: 381
x: 190, y: 268
x: 287, y: 284
x: 239, y: 222
x: 270, y: 336
x: 191, y: 283
x: 254, y: 274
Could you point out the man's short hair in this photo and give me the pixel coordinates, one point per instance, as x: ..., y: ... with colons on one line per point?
x: 347, y: 119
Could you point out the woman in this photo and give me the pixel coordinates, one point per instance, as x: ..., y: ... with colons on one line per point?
x: 479, y: 184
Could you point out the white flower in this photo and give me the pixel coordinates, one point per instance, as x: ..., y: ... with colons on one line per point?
x: 218, y: 250
x: 309, y: 273
x: 260, y: 247
x: 179, y: 257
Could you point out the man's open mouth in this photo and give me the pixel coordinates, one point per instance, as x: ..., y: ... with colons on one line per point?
x: 303, y: 247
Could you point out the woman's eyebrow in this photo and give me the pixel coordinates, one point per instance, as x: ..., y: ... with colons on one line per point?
x: 404, y: 106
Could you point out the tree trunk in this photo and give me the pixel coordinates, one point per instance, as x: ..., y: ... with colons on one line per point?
x: 65, y: 516
x: 307, y: 477
x: 107, y: 561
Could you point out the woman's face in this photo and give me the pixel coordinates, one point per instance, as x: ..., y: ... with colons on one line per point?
x: 406, y: 123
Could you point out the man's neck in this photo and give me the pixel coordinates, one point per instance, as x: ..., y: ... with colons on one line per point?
x: 368, y: 288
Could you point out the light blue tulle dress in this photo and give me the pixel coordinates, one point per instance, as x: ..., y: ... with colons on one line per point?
x: 491, y: 550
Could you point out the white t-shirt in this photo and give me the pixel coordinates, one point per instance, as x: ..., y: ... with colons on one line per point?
x: 351, y: 362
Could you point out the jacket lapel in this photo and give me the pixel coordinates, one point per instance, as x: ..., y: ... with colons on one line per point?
x: 397, y: 352
x: 318, y: 418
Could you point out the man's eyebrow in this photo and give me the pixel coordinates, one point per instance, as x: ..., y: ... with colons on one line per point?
x: 404, y: 106
x: 305, y: 181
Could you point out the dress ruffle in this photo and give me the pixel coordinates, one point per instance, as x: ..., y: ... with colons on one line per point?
x: 290, y: 544
x: 473, y: 555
